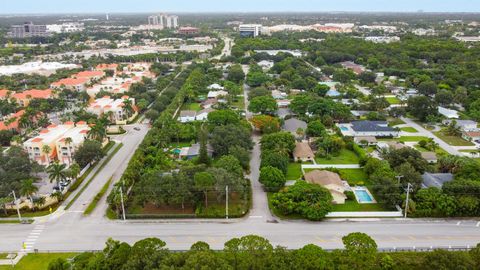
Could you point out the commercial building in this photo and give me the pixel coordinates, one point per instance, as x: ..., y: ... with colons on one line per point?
x: 188, y: 30
x: 250, y: 30
x: 65, y: 27
x: 28, y: 29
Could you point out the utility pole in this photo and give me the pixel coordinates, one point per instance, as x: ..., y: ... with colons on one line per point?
x: 226, y: 202
x: 398, y: 178
x: 123, y: 206
x: 406, y: 203
x: 16, y: 204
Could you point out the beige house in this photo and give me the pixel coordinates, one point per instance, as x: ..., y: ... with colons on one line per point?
x: 330, y: 181
x: 303, y: 152
x: 114, y: 109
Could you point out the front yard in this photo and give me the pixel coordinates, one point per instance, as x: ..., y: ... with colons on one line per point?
x: 453, y: 140
x: 354, y: 206
x: 408, y: 129
x: 393, y: 100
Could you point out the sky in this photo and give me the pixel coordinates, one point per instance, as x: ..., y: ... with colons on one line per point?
x: 152, y: 6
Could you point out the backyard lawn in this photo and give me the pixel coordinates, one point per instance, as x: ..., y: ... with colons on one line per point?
x: 294, y: 171
x: 37, y: 261
x: 408, y: 129
x: 192, y: 106
x: 344, y: 157
x: 354, y: 176
x: 393, y: 100
x: 453, y: 140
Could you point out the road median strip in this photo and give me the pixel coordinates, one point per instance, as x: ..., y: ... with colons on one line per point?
x: 97, y: 198
x: 94, y: 175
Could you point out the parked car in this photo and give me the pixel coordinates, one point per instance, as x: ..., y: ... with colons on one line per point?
x: 136, y: 128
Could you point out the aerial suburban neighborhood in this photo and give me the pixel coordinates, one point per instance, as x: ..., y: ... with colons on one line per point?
x: 262, y: 140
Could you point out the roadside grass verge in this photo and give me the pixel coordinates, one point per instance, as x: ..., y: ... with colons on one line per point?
x: 97, y: 198
x: 94, y: 175
x: 38, y: 261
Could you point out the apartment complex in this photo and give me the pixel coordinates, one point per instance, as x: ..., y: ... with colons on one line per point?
x: 79, y: 81
x: 28, y: 29
x: 115, y: 109
x: 24, y: 98
x: 52, y: 144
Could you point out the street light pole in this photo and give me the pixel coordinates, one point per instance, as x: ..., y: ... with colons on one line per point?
x: 123, y: 206
x: 226, y: 202
x: 16, y: 204
x: 406, y: 203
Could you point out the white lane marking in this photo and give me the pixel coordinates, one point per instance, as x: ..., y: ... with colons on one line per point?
x: 478, y: 224
x: 35, y: 233
x: 458, y: 223
x: 256, y: 216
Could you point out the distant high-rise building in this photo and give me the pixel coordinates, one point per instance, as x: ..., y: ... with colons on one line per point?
x: 107, y: 17
x: 164, y: 21
x: 250, y: 30
x: 28, y: 29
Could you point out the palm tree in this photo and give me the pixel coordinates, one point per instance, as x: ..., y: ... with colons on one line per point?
x: 73, y: 171
x: 56, y: 172
x: 57, y: 195
x: 128, y: 107
x: 68, y: 141
x: 27, y: 188
x: 39, y: 202
x: 46, y: 150
x: 97, y: 132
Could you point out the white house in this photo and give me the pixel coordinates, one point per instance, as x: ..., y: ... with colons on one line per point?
x: 216, y: 94
x: 203, y: 114
x: 187, y: 116
x: 215, y: 86
x: 448, y: 113
x: 464, y: 125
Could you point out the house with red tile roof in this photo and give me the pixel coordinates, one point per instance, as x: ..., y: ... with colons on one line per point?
x: 91, y: 75
x: 114, y: 108
x: 11, y: 122
x: 75, y: 84
x: 107, y: 67
x: 4, y: 94
x: 24, y: 98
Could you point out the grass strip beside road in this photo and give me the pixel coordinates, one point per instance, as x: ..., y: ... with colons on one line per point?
x: 39, y: 261
x: 94, y: 175
x: 97, y: 198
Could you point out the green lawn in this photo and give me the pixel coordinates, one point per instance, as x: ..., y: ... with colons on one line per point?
x: 352, y: 206
x: 393, y: 100
x: 3, y: 256
x: 453, y: 140
x: 344, y: 157
x: 405, y: 139
x: 179, y: 144
x: 439, y: 150
x: 37, y: 261
x: 409, y: 129
x: 192, y: 107
x: 353, y: 176
x: 395, y: 121
x: 294, y: 171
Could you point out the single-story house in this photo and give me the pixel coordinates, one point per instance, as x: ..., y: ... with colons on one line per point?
x: 471, y: 135
x: 390, y: 145
x: 368, y: 128
x: 194, y: 151
x: 266, y: 65
x: 465, y: 125
x: 303, y: 152
x: 203, y: 114
x: 187, y: 116
x: 430, y: 157
x: 277, y: 94
x: 215, y: 86
x: 435, y: 179
x: 448, y: 113
x: 365, y: 140
x: 333, y: 93
x: 216, y: 94
x: 293, y: 124
x: 283, y: 103
x: 330, y: 181
x: 359, y: 114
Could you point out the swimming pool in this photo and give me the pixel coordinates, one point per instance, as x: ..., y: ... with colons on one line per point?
x: 363, y: 196
x: 344, y: 128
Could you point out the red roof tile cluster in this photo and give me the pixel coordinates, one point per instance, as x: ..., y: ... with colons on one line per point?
x: 34, y: 93
x: 70, y: 82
